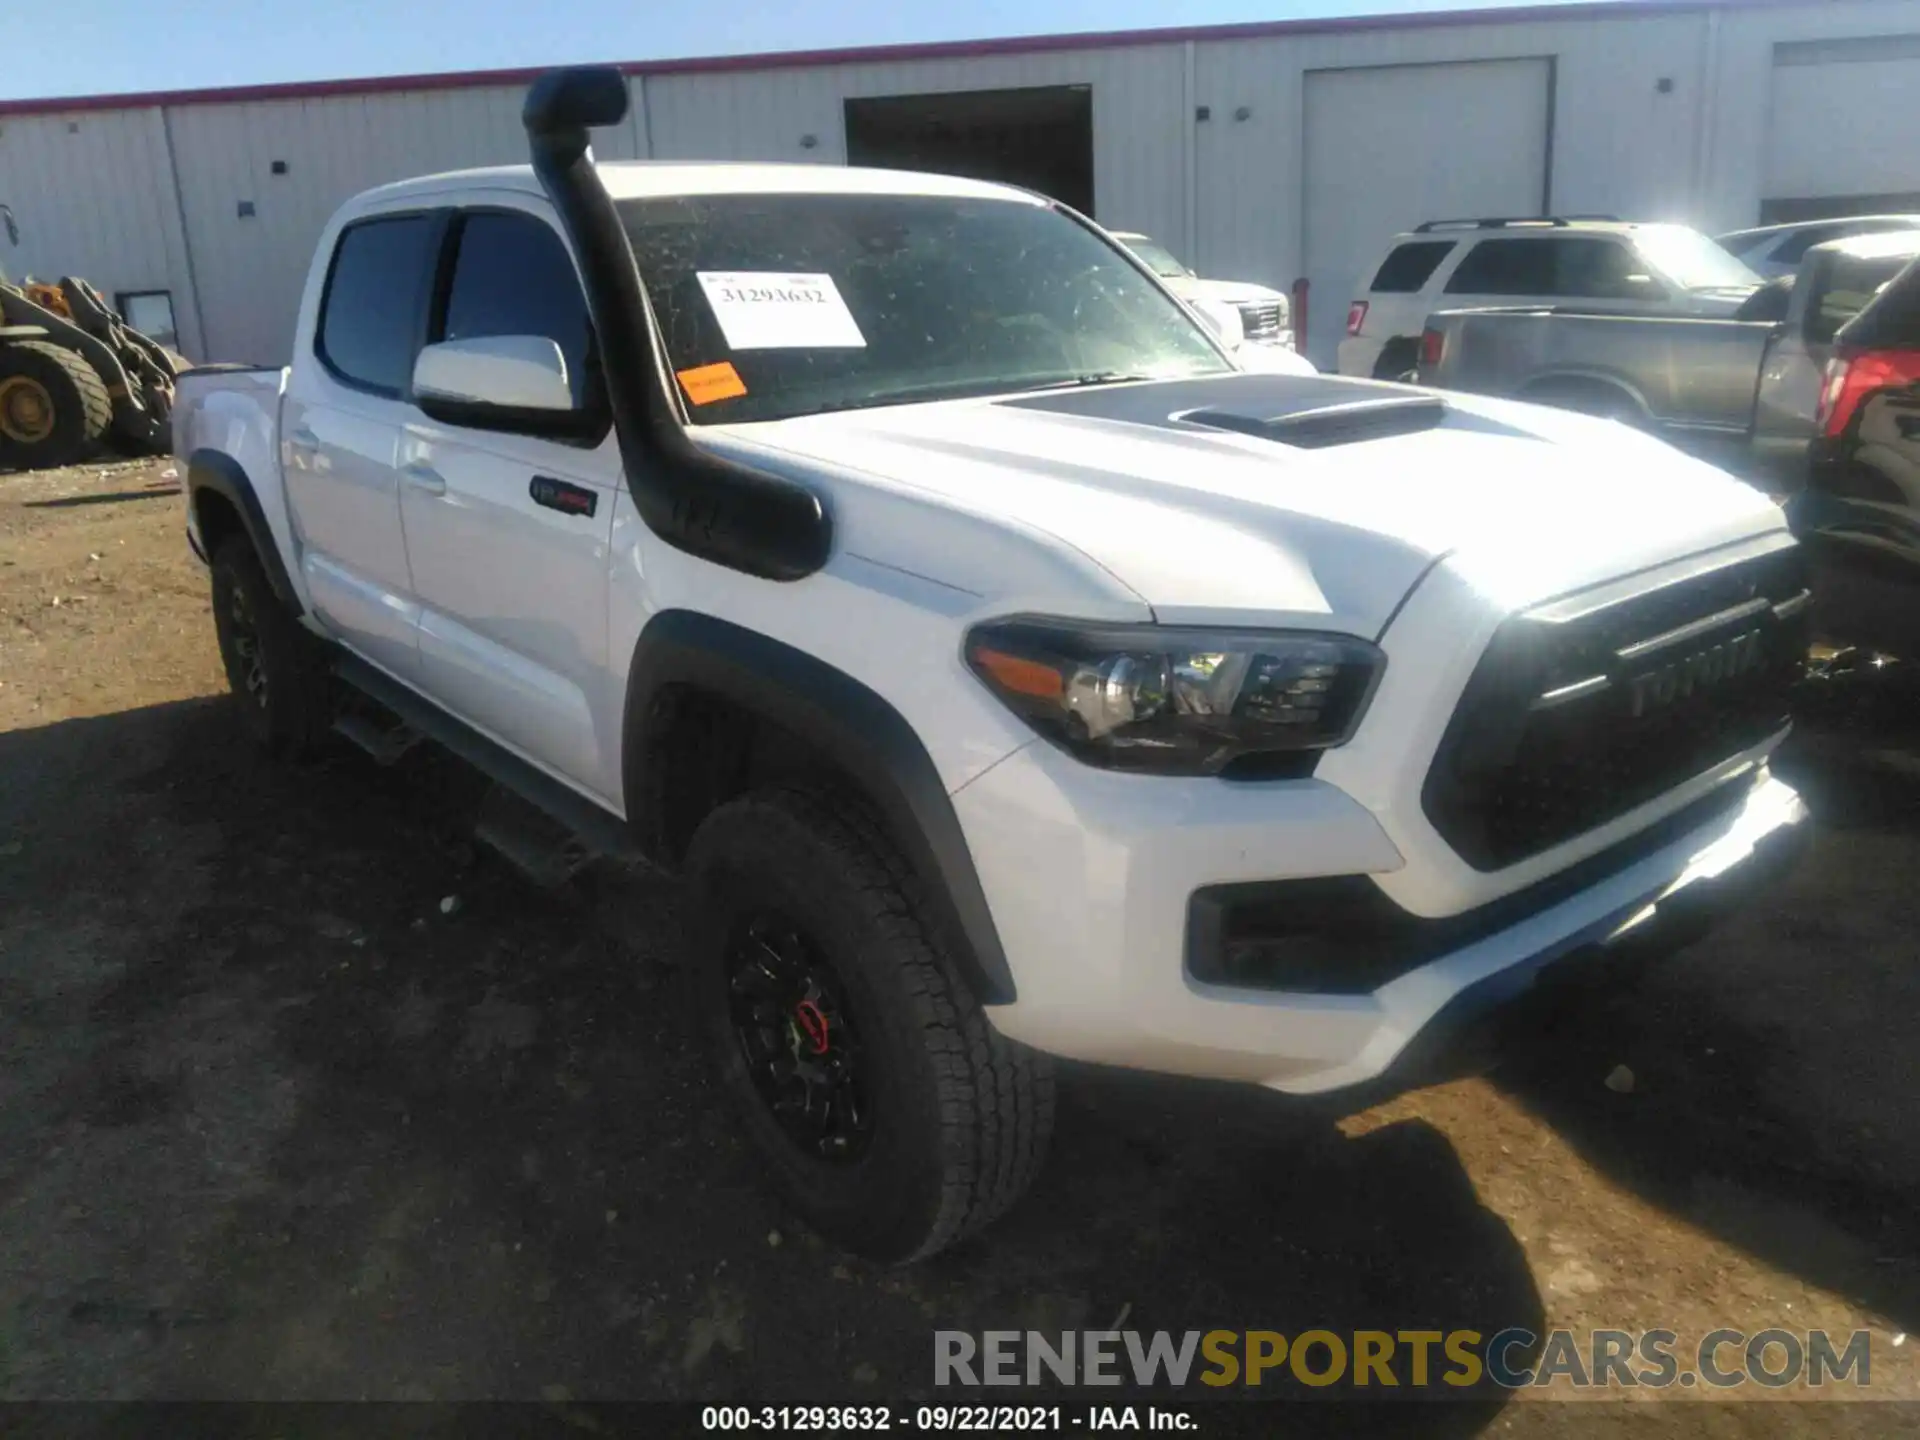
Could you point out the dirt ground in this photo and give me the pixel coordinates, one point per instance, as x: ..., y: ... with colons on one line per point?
x: 276, y: 1125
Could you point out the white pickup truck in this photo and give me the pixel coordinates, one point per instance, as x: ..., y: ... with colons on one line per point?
x: 1010, y: 673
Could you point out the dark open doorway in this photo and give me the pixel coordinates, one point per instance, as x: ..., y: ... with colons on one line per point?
x: 1041, y: 138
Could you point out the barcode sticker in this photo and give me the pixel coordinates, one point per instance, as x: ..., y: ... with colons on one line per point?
x: 705, y: 384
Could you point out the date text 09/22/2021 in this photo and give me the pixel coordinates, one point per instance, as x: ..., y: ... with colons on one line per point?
x: 943, y: 1419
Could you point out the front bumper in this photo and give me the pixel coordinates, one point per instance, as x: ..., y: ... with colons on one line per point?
x: 1090, y: 876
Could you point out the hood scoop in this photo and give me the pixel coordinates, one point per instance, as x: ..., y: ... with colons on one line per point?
x: 1328, y: 425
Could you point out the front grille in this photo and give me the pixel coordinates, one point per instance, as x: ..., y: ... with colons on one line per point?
x: 1261, y: 319
x: 1575, y: 716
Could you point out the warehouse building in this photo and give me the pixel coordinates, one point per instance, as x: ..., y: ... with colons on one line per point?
x: 1265, y: 152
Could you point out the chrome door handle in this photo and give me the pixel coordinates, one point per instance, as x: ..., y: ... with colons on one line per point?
x: 302, y: 438
x: 424, y: 477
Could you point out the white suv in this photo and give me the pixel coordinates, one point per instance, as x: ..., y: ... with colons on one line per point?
x: 1009, y: 672
x: 1594, y: 263
x: 1264, y: 316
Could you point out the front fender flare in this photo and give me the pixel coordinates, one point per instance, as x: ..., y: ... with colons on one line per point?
x: 857, y: 729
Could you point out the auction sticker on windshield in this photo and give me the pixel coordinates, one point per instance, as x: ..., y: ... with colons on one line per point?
x: 763, y: 310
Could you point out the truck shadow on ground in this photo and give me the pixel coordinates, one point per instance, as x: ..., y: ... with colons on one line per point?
x: 278, y: 1124
x: 1774, y: 1061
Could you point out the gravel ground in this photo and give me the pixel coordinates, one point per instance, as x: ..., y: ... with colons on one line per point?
x: 274, y: 1125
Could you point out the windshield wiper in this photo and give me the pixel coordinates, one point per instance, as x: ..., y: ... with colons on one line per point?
x: 1096, y: 377
x: 977, y: 389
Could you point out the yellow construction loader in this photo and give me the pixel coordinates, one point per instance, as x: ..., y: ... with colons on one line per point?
x: 74, y: 377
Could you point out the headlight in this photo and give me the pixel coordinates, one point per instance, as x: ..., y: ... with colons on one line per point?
x: 1179, y: 701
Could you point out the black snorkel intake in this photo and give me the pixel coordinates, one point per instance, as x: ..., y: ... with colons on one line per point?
x: 698, y: 502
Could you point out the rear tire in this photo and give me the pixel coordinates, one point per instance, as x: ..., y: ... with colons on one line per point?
x: 1399, y: 359
x: 53, y: 406
x: 277, y: 671
x: 941, y: 1123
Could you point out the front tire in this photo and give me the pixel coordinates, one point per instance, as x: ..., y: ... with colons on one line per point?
x: 885, y: 1108
x: 1399, y: 360
x: 276, y: 670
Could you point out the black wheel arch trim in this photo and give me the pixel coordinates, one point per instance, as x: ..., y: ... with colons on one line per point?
x: 222, y: 475
x: 852, y: 725
x: 715, y: 508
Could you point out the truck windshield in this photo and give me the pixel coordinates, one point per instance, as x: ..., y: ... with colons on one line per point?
x: 1691, y: 260
x: 776, y: 305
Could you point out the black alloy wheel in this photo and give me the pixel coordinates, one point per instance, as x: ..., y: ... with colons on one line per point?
x: 244, y: 635
x: 798, y: 1039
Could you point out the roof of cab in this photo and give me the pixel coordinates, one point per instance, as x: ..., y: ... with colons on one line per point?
x: 639, y: 179
x: 1880, y: 245
x: 1753, y: 234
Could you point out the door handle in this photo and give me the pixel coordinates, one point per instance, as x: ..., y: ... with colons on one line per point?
x: 301, y: 438
x: 424, y: 477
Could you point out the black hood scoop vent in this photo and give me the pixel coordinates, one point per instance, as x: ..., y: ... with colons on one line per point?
x: 1328, y: 425
x: 1308, y: 412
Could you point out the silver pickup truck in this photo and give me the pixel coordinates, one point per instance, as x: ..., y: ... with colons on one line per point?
x: 1741, y: 391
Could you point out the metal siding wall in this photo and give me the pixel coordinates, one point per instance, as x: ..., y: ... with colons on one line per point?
x: 100, y: 201
x: 1618, y: 144
x: 97, y: 200
x: 1845, y: 127
x: 1368, y: 174
x: 334, y: 147
x: 1741, y: 83
x: 1139, y: 134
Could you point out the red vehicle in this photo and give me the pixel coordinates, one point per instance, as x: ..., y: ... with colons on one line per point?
x: 1859, y: 515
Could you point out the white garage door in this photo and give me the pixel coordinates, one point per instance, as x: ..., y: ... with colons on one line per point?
x: 1387, y: 148
x: 1844, y: 126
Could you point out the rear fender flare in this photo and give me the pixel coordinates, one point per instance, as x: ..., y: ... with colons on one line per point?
x: 1584, y: 379
x: 210, y: 472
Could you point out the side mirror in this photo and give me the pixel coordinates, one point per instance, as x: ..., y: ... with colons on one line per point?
x: 495, y: 382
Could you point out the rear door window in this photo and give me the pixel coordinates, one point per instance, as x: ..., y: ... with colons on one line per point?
x: 1505, y: 267
x: 1602, y: 270
x: 512, y: 275
x: 371, y: 313
x: 1410, y: 266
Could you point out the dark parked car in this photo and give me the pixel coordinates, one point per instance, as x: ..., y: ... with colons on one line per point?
x: 1859, y: 514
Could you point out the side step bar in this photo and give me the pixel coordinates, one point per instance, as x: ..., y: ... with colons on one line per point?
x: 386, y: 744
x: 601, y: 832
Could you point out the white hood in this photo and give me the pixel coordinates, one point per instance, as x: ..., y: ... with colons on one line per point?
x: 1209, y: 527
x: 1229, y: 292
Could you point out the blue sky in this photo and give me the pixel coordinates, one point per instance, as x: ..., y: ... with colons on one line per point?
x: 80, y: 47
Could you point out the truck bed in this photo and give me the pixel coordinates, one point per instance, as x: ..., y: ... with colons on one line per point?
x: 1685, y: 374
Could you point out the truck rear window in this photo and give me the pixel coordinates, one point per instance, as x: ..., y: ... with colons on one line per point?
x: 775, y: 305
x: 1892, y: 320
x: 1845, y: 289
x: 1410, y: 266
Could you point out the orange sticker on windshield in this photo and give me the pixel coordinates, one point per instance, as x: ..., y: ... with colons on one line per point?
x: 705, y: 384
